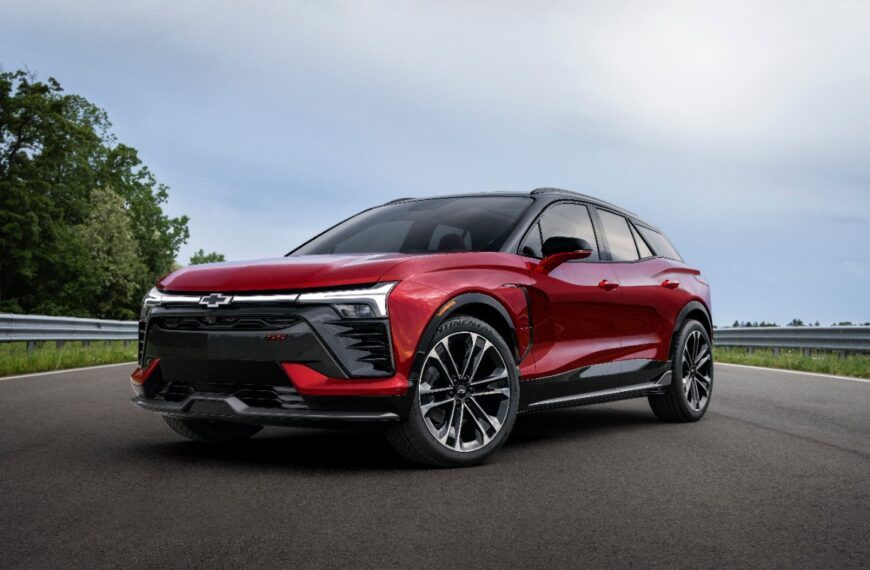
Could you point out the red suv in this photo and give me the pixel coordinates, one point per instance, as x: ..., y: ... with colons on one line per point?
x: 438, y: 319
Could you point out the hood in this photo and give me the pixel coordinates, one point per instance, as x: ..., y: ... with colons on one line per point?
x: 282, y: 273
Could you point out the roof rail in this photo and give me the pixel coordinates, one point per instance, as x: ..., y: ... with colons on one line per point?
x: 552, y: 190
x: 397, y: 200
x: 585, y: 196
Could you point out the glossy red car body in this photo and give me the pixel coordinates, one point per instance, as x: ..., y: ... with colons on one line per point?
x: 580, y: 328
x: 577, y: 321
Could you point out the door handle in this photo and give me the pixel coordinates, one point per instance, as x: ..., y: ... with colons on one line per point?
x: 608, y: 285
x: 668, y: 284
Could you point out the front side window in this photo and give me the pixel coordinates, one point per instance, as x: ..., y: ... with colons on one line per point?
x: 473, y: 223
x: 561, y: 220
x: 619, y: 238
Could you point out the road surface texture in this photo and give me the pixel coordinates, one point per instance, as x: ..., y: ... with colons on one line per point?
x: 776, y: 475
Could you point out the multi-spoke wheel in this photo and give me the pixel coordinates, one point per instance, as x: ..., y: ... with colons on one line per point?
x: 697, y: 371
x: 465, y: 391
x: 466, y: 398
x: 688, y: 396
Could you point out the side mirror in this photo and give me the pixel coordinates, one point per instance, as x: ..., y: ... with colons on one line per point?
x: 558, y: 249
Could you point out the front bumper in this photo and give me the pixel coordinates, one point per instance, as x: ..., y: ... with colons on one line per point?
x: 231, y: 408
x: 268, y: 366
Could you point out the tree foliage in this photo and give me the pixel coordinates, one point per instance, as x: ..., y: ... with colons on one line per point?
x: 200, y: 257
x: 82, y: 227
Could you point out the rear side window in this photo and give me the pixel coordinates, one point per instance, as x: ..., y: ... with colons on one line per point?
x: 561, y: 220
x: 660, y: 245
x: 619, y: 238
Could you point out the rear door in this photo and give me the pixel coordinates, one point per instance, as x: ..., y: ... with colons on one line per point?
x: 650, y: 291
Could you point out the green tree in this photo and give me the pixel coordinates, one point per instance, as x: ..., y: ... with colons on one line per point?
x: 200, y: 257
x: 112, y: 284
x: 55, y: 150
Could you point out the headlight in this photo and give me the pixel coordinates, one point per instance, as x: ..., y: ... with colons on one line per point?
x: 151, y: 300
x: 354, y: 303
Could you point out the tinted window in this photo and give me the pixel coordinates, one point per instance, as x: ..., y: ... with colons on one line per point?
x: 383, y: 237
x: 445, y: 236
x: 565, y: 220
x: 478, y: 223
x: 659, y: 243
x: 622, y: 247
x: 642, y: 248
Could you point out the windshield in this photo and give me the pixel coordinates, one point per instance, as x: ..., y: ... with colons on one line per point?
x: 479, y: 223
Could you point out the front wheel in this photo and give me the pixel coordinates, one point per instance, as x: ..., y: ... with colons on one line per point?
x: 212, y: 431
x: 687, y: 397
x: 466, y: 398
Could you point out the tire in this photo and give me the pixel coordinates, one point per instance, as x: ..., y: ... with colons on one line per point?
x: 480, y: 395
x: 212, y: 431
x: 688, y: 396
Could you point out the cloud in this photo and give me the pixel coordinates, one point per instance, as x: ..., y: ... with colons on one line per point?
x: 740, y: 127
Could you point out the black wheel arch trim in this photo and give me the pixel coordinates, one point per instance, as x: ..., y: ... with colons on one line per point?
x: 453, y: 307
x: 691, y: 307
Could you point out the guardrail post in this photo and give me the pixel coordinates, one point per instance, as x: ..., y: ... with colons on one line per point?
x: 59, y: 343
x: 776, y: 352
x: 126, y: 343
x: 86, y: 343
x: 31, y: 344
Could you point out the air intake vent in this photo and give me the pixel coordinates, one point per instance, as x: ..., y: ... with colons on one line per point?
x: 226, y: 323
x: 254, y: 395
x: 141, y: 342
x: 369, y: 343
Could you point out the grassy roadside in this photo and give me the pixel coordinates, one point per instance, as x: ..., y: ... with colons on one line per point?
x: 14, y: 358
x: 857, y: 365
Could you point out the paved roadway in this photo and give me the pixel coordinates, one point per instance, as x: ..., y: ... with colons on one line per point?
x: 776, y: 475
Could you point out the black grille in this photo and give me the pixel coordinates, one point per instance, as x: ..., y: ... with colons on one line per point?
x: 254, y: 395
x: 371, y: 338
x: 226, y: 323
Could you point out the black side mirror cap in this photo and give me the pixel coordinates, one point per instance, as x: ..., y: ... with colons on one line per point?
x: 562, y: 244
x: 557, y: 250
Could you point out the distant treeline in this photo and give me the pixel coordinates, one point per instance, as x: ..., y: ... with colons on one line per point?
x: 82, y: 227
x: 795, y: 323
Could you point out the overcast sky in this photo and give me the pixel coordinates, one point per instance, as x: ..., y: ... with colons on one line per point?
x: 740, y: 128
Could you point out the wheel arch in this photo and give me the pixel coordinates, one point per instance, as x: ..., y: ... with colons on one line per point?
x: 478, y: 305
x: 694, y: 310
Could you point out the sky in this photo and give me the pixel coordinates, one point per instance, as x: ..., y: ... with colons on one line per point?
x: 741, y: 128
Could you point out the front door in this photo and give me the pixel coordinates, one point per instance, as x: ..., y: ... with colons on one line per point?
x: 575, y: 309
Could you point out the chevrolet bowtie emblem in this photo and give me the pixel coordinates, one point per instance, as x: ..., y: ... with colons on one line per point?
x: 215, y: 300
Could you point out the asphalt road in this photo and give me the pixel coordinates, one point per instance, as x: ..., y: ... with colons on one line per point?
x: 776, y: 475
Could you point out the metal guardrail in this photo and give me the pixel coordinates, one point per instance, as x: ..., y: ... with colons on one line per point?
x: 33, y: 328
x: 831, y: 339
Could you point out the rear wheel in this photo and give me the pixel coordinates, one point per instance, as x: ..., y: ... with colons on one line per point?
x: 688, y: 396
x: 466, y: 398
x: 212, y: 431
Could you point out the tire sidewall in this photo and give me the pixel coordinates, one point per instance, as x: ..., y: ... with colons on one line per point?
x: 677, y: 367
x: 451, y: 326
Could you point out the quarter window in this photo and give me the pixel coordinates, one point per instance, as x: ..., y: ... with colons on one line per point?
x: 660, y: 245
x: 642, y: 248
x: 561, y: 220
x: 619, y: 239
